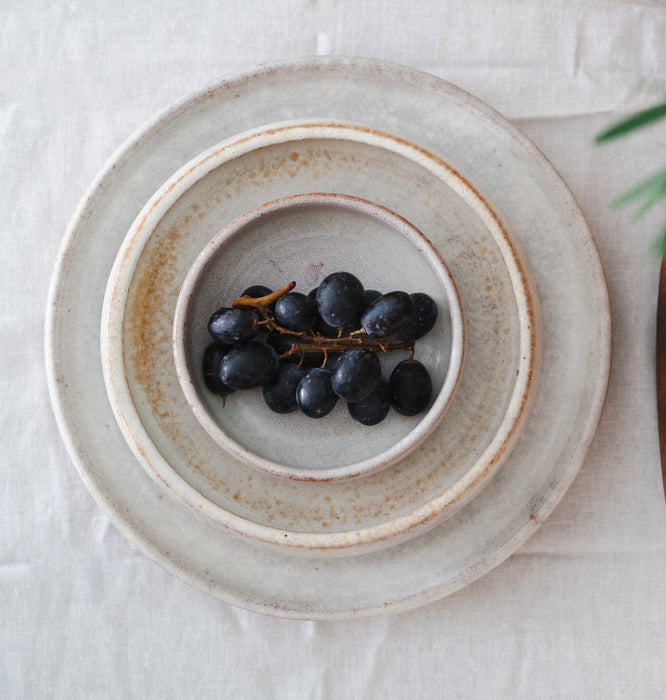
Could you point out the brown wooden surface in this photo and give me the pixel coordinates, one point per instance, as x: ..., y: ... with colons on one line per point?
x: 661, y: 367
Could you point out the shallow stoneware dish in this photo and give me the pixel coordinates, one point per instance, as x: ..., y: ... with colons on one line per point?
x: 530, y: 198
x: 467, y: 446
x: 319, y: 226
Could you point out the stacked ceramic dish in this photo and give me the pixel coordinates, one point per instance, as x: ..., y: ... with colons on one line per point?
x: 275, y: 512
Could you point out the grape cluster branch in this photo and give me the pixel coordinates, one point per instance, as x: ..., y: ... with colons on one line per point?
x: 315, y: 342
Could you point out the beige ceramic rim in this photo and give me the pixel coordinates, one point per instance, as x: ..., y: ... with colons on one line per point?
x: 404, y: 527
x: 383, y: 459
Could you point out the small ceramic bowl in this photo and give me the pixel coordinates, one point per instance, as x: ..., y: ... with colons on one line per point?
x: 302, y: 237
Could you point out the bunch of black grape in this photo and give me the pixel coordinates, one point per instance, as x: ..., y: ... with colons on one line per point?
x: 309, y: 351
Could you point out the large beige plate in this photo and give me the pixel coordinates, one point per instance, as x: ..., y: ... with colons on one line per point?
x: 530, y: 198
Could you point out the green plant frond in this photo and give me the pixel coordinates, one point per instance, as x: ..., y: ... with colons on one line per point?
x: 651, y: 199
x: 653, y: 188
x: 659, y: 246
x: 634, y: 122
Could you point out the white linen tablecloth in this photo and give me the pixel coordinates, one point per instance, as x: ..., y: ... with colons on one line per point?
x: 577, y: 612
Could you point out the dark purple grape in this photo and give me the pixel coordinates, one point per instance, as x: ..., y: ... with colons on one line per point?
x: 281, y: 342
x: 211, y: 365
x: 387, y: 314
x: 341, y: 300
x: 295, y: 312
x: 247, y: 366
x: 411, y: 387
x: 355, y: 374
x: 370, y: 296
x: 322, y: 328
x: 331, y: 359
x: 314, y: 394
x: 280, y: 391
x: 422, y: 320
x: 256, y: 291
x: 234, y: 326
x: 374, y: 407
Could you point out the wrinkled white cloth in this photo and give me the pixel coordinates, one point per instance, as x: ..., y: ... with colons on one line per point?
x: 577, y: 612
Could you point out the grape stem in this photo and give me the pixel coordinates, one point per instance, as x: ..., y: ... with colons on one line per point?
x: 315, y: 341
x: 321, y: 344
x: 262, y: 303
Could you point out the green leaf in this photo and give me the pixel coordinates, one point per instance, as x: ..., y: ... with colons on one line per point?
x: 634, y: 122
x: 654, y: 196
x: 652, y: 189
x: 659, y: 246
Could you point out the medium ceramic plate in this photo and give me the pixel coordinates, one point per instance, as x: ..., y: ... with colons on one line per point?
x: 502, y: 343
x: 520, y: 186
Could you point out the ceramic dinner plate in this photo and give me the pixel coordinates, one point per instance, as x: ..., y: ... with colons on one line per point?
x: 531, y: 201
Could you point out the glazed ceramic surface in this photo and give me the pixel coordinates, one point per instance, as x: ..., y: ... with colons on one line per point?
x: 303, y: 234
x: 528, y: 197
x: 502, y: 345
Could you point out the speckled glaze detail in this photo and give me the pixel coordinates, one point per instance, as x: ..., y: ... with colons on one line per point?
x: 533, y: 201
x: 189, y: 340
x: 141, y: 298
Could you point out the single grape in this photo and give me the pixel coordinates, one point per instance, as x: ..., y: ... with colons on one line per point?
x: 233, y: 326
x: 331, y: 359
x: 374, y: 407
x: 370, y: 296
x: 295, y: 312
x: 411, y: 387
x: 211, y: 365
x: 280, y: 391
x: 322, y: 328
x: 247, y: 366
x: 256, y: 291
x: 341, y: 300
x: 422, y: 320
x: 281, y: 343
x: 387, y: 314
x: 314, y: 394
x: 355, y: 374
